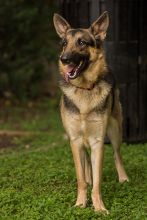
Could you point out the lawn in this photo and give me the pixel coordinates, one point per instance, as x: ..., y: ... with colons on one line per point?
x: 37, y: 176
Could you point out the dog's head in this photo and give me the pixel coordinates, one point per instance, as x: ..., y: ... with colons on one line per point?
x: 81, y: 48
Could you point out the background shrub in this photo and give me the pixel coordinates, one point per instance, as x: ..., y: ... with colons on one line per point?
x: 27, y: 47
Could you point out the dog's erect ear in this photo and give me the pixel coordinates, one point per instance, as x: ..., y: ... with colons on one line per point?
x: 99, y: 27
x: 61, y: 25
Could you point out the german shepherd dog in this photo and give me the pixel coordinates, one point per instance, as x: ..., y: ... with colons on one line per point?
x: 90, y: 106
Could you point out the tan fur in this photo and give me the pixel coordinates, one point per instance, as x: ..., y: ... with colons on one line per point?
x: 98, y: 65
x: 99, y: 113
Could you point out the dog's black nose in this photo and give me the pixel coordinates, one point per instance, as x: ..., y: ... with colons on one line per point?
x: 66, y: 59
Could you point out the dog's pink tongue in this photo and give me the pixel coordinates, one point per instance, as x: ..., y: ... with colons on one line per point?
x: 69, y: 68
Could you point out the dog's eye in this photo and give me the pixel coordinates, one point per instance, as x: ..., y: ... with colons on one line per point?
x: 64, y: 43
x: 82, y: 42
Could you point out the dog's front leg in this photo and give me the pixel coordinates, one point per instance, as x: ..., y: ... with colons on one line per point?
x: 79, y: 160
x: 97, y: 154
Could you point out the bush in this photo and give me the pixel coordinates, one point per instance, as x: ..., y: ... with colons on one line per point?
x: 27, y: 41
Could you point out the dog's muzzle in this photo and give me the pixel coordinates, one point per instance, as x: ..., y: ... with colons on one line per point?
x: 74, y: 65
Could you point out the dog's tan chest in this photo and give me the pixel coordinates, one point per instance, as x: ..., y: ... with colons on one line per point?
x: 85, y: 121
x: 87, y: 100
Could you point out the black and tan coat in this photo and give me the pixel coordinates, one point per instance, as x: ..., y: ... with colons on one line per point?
x: 90, y: 106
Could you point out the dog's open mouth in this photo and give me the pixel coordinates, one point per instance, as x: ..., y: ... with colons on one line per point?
x: 73, y: 70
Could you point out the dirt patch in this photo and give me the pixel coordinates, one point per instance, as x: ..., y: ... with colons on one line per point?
x: 7, y: 141
x: 8, y: 138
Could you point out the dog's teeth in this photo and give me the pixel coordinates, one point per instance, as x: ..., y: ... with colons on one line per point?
x: 80, y: 65
x: 72, y: 74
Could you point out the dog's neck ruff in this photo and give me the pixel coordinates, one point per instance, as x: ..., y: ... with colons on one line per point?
x: 107, y: 78
x: 78, y: 87
x: 86, y: 100
x: 87, y: 89
x: 62, y: 81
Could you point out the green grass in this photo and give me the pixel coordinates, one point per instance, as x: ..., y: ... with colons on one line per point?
x: 37, y: 176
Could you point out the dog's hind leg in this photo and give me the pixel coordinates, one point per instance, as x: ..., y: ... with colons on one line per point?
x: 88, y: 169
x: 114, y: 133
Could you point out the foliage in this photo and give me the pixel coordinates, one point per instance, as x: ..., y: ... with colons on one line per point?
x: 37, y: 176
x: 27, y: 41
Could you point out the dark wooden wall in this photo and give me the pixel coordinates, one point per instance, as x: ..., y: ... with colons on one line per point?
x: 126, y: 50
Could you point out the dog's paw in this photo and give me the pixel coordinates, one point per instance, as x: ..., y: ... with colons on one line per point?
x: 123, y: 179
x: 99, y: 205
x: 102, y: 210
x: 81, y: 199
x: 80, y: 204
